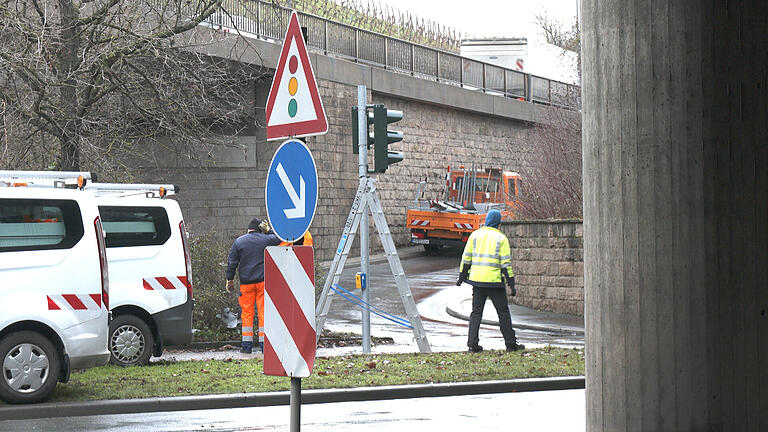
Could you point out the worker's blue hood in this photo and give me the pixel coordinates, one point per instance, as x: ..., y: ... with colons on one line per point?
x: 493, y: 219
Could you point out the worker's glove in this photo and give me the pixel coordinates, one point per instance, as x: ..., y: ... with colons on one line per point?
x: 510, y: 282
x: 264, y: 227
x: 229, y: 286
x: 462, y: 277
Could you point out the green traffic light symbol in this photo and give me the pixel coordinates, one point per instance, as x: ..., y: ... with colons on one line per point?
x: 293, y: 86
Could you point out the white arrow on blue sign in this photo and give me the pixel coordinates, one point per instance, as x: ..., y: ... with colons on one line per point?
x: 291, y: 193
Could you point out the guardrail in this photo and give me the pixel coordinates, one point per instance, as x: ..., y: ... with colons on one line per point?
x: 266, y: 20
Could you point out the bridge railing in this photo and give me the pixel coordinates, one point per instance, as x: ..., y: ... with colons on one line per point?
x: 268, y: 21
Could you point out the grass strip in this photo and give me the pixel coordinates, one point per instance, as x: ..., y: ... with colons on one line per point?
x: 186, y: 378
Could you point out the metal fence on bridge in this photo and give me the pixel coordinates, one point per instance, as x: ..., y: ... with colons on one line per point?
x: 268, y: 21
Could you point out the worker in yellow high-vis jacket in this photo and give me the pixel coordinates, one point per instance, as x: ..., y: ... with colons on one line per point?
x: 487, y: 265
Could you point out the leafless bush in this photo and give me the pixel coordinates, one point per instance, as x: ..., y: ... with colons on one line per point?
x: 553, y: 187
x: 209, y: 256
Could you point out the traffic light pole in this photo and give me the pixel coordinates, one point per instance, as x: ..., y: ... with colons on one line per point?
x: 362, y: 171
x: 367, y: 199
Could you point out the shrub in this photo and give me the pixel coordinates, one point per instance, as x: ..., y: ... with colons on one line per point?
x: 209, y: 265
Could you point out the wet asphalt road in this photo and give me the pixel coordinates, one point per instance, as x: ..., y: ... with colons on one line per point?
x: 529, y: 411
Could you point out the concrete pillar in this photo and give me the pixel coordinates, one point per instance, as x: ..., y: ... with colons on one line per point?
x: 675, y: 145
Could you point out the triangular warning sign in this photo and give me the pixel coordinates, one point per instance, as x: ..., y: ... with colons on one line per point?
x: 294, y: 108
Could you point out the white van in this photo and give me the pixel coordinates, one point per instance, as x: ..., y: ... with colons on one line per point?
x: 54, y: 289
x: 150, y: 275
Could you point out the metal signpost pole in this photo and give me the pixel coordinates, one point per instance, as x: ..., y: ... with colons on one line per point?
x: 362, y: 171
x: 295, y: 404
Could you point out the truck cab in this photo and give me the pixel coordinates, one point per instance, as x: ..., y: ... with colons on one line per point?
x: 487, y: 187
x: 468, y: 195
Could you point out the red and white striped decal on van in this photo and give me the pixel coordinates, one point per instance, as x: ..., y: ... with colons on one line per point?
x: 161, y: 283
x: 419, y: 222
x: 74, y: 301
x: 461, y: 225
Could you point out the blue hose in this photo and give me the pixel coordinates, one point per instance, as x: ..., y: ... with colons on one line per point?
x: 373, y: 309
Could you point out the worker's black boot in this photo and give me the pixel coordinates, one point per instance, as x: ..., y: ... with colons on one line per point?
x: 246, y: 347
x: 475, y: 349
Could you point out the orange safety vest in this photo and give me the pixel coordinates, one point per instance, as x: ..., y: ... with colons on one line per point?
x: 304, y: 241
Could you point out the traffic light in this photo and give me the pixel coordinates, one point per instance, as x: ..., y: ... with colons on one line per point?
x: 382, y: 138
x: 355, y: 130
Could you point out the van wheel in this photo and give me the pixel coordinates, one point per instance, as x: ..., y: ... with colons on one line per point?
x: 30, y: 367
x: 130, y: 341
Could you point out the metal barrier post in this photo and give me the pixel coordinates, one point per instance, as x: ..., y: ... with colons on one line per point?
x: 413, y: 67
x: 386, y: 52
x: 504, y: 74
x: 528, y: 89
x: 258, y: 19
x: 357, y: 45
x: 325, y: 36
x: 549, y: 91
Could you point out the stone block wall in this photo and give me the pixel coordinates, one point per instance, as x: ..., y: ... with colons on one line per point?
x: 548, y: 261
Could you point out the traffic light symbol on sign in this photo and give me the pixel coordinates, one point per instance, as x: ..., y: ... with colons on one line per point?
x: 293, y: 86
x: 293, y: 107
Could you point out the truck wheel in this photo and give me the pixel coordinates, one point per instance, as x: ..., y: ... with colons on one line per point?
x: 431, y: 249
x: 30, y: 367
x: 130, y: 341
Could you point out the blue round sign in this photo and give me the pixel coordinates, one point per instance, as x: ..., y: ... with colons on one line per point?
x: 291, y: 192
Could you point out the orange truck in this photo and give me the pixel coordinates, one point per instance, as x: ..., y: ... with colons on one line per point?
x: 468, y: 195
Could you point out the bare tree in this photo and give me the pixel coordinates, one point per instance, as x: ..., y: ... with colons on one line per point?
x: 561, y: 35
x: 94, y: 83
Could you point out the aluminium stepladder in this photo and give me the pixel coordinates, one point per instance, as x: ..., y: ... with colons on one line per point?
x: 365, y: 198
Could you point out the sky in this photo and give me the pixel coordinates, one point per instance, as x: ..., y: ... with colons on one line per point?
x: 489, y: 18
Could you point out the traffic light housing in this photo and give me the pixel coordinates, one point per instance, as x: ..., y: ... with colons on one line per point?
x: 382, y: 138
x: 355, y: 130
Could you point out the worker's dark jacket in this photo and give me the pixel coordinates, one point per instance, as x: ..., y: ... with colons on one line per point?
x: 248, y: 253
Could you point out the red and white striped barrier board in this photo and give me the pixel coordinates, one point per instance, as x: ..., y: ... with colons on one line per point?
x: 460, y: 225
x: 289, y: 311
x: 419, y: 222
x: 166, y: 283
x: 74, y: 301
